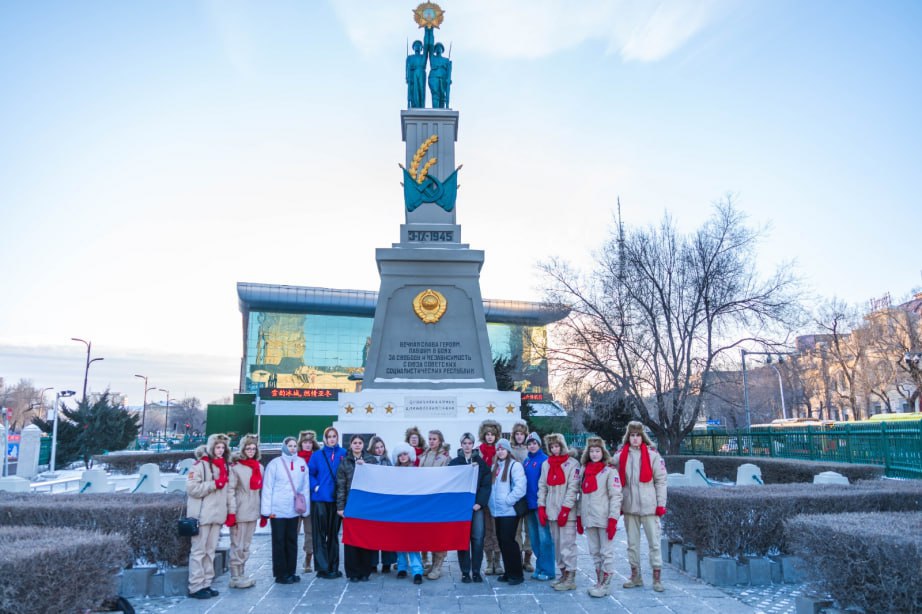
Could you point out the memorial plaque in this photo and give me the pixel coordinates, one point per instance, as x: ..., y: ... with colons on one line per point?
x: 431, y: 407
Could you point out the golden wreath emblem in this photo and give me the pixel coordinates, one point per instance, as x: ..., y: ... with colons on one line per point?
x: 430, y: 305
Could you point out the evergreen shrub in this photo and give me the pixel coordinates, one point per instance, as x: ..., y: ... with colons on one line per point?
x: 48, y: 569
x: 147, y: 522
x: 744, y: 521
x: 869, y: 561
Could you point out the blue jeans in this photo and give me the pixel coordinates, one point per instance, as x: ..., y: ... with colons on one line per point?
x: 542, y: 545
x: 416, y: 562
x: 472, y: 559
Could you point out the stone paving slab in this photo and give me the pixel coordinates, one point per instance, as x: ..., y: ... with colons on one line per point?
x: 388, y: 595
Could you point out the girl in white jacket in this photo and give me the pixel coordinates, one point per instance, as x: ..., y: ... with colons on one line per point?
x: 508, y: 487
x: 285, y: 476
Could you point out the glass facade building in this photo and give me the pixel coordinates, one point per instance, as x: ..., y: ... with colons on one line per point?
x: 304, y: 337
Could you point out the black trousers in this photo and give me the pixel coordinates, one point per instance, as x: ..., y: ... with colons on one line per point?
x: 284, y: 546
x: 325, y: 524
x: 384, y: 557
x: 512, y: 555
x: 472, y: 558
x: 358, y: 561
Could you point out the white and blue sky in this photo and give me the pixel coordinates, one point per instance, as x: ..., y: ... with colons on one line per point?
x: 153, y: 154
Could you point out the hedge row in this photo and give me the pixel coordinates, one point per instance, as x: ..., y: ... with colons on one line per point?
x: 747, y: 521
x: 147, y: 522
x: 774, y: 470
x: 870, y: 561
x: 129, y: 463
x: 48, y: 569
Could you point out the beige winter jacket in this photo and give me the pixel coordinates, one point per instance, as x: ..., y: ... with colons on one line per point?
x: 642, y: 499
x: 562, y: 495
x: 433, y: 459
x: 245, y: 499
x: 206, y: 501
x: 604, y: 502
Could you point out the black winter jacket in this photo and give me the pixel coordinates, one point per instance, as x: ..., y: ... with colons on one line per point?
x: 484, y: 480
x: 344, y: 477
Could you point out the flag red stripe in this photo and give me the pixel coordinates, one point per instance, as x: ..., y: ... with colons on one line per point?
x: 407, y: 536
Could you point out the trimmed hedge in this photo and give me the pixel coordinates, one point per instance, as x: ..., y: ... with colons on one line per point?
x: 48, y: 569
x: 147, y: 522
x: 872, y: 561
x: 745, y: 521
x: 774, y: 470
x: 129, y: 463
x: 167, y: 461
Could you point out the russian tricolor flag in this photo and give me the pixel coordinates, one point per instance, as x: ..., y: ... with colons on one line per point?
x: 407, y: 509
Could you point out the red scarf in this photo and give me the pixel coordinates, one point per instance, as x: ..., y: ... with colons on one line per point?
x: 306, y: 455
x: 589, y: 482
x: 487, y: 451
x: 256, y: 478
x: 221, y: 480
x: 555, y: 475
x: 646, y: 469
x: 419, y: 453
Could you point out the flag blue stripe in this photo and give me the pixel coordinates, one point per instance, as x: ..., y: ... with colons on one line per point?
x: 437, y: 507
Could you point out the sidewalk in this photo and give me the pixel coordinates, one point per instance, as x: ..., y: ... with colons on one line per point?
x: 386, y: 594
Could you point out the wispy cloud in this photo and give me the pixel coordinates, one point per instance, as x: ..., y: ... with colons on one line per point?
x: 637, y: 30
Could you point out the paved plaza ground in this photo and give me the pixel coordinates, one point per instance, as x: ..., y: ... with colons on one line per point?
x: 387, y: 594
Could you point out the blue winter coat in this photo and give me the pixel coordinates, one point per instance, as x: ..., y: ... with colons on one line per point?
x: 532, y: 465
x: 323, y: 478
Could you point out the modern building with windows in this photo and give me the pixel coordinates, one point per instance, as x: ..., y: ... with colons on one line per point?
x: 303, y: 345
x: 299, y: 337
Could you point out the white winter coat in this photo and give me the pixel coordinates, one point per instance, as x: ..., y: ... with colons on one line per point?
x: 277, y: 497
x: 504, y: 494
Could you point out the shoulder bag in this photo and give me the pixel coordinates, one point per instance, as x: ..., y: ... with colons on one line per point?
x: 188, y: 527
x: 300, y: 501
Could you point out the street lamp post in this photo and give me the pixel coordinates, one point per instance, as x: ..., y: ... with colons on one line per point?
x: 41, y: 400
x: 743, y: 354
x: 784, y: 412
x: 86, y: 373
x: 144, y: 408
x: 166, y: 418
x: 54, y: 427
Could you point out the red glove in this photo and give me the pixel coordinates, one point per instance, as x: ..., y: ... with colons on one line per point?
x: 562, y: 518
x: 579, y: 525
x: 612, y: 528
x: 263, y: 521
x: 231, y: 520
x: 660, y: 511
x: 542, y: 516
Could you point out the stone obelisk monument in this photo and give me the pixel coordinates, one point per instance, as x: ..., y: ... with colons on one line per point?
x: 429, y: 363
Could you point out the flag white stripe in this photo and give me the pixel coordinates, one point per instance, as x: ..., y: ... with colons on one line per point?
x: 415, y: 480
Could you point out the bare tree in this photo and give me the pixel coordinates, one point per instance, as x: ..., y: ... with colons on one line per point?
x: 23, y: 399
x: 841, y: 323
x: 661, y: 309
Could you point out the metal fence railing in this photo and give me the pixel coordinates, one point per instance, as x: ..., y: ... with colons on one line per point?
x: 896, y: 446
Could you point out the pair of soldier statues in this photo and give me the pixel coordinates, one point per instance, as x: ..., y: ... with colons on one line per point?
x: 428, y: 51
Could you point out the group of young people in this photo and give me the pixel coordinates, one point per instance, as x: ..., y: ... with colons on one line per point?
x: 307, y: 486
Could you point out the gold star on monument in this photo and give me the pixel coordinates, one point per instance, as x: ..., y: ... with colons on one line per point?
x: 369, y: 409
x: 490, y: 408
x: 349, y: 408
x: 471, y: 408
x: 510, y: 408
x: 389, y: 408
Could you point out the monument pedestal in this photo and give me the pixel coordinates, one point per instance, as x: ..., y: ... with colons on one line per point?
x: 429, y: 362
x: 454, y: 411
